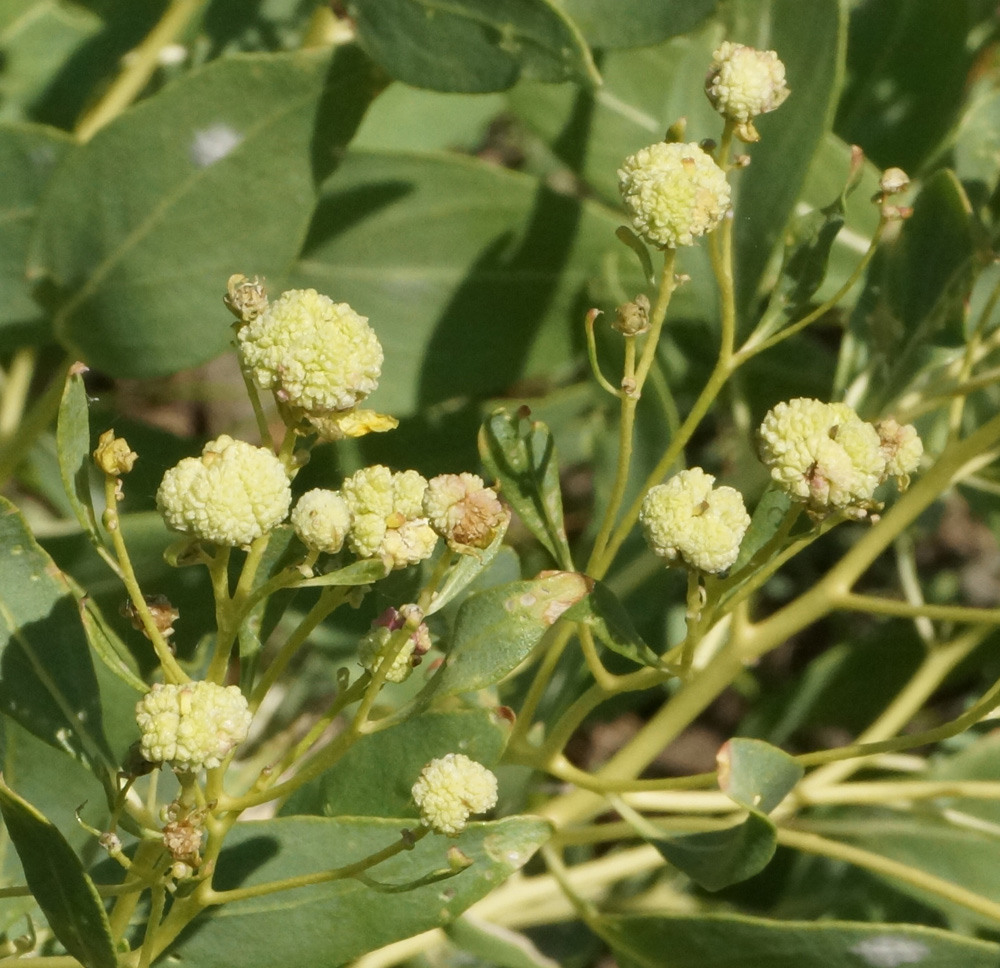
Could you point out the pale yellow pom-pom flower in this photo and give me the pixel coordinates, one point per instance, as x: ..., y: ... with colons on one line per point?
x: 688, y: 518
x: 744, y: 82
x: 321, y: 519
x: 673, y: 193
x: 452, y: 788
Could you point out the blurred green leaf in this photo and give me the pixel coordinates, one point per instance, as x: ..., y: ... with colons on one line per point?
x: 28, y: 156
x: 374, y: 777
x: 636, y: 23
x: 917, y: 293
x: 521, y: 455
x: 908, y: 64
x: 186, y: 187
x: 767, y: 516
x: 976, y: 147
x: 496, y: 946
x: 607, y: 618
x: 756, y: 775
x: 473, y: 276
x: 59, y: 883
x: 734, y: 941
x: 716, y: 859
x: 361, y: 572
x: 472, y: 45
x: 334, y: 923
x: 497, y: 629
x: 810, y: 40
x: 37, y: 39
x: 47, y: 680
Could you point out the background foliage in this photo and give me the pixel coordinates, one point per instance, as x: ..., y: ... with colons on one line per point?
x: 452, y: 175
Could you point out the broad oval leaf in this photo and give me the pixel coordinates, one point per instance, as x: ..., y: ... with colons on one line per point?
x: 757, y: 775
x: 521, y: 454
x: 143, y: 225
x: 636, y: 23
x: 28, y: 156
x: 375, y: 775
x: 735, y: 941
x: 336, y: 922
x: 59, y: 883
x: 497, y: 629
x: 473, y: 46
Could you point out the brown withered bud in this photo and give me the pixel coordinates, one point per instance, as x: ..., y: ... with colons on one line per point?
x: 244, y: 298
x: 183, y: 839
x: 463, y: 510
x: 632, y: 318
x: 113, y: 455
x: 164, y: 614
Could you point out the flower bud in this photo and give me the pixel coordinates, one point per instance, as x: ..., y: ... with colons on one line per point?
x: 463, y: 510
x: 387, y: 515
x: 902, y: 449
x: 231, y: 495
x: 744, y: 82
x: 418, y: 641
x: 321, y: 520
x: 113, y: 455
x: 688, y: 518
x: 673, y: 193
x: 632, y: 318
x: 246, y: 300
x: 315, y: 354
x: 192, y: 725
x: 452, y: 788
x: 823, y: 454
x: 893, y: 181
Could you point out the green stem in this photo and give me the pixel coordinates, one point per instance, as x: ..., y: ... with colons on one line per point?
x: 874, y: 605
x: 16, y: 384
x: 810, y: 843
x: 141, y: 65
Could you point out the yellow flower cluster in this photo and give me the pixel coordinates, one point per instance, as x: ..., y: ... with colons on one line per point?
x: 192, y: 725
x: 825, y: 455
x: 688, y: 518
x: 231, y: 495
x: 673, y: 193
x: 451, y: 789
x: 744, y: 82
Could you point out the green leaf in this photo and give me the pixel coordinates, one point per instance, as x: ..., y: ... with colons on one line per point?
x: 496, y: 946
x: 336, y: 922
x: 521, y: 455
x: 468, y: 568
x: 73, y: 448
x: 636, y: 23
x: 47, y: 680
x: 472, y: 45
x: 923, y: 280
x: 977, y: 145
x: 28, y: 156
x: 734, y: 941
x: 59, y: 883
x: 108, y: 645
x: 457, y: 239
x: 376, y: 774
x: 767, y: 516
x: 362, y: 572
x: 718, y: 858
x: 810, y: 39
x: 756, y: 775
x: 607, y: 618
x: 187, y: 187
x: 497, y: 629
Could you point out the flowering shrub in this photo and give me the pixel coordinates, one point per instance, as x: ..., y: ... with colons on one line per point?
x: 692, y: 646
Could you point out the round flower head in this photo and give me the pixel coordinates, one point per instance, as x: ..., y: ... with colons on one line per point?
x: 387, y: 515
x: 673, y: 193
x: 321, y: 520
x: 231, y: 495
x: 452, y: 788
x: 687, y: 518
x: 463, y: 510
x: 744, y: 83
x: 902, y: 449
x: 822, y: 453
x: 193, y: 725
x: 317, y: 355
